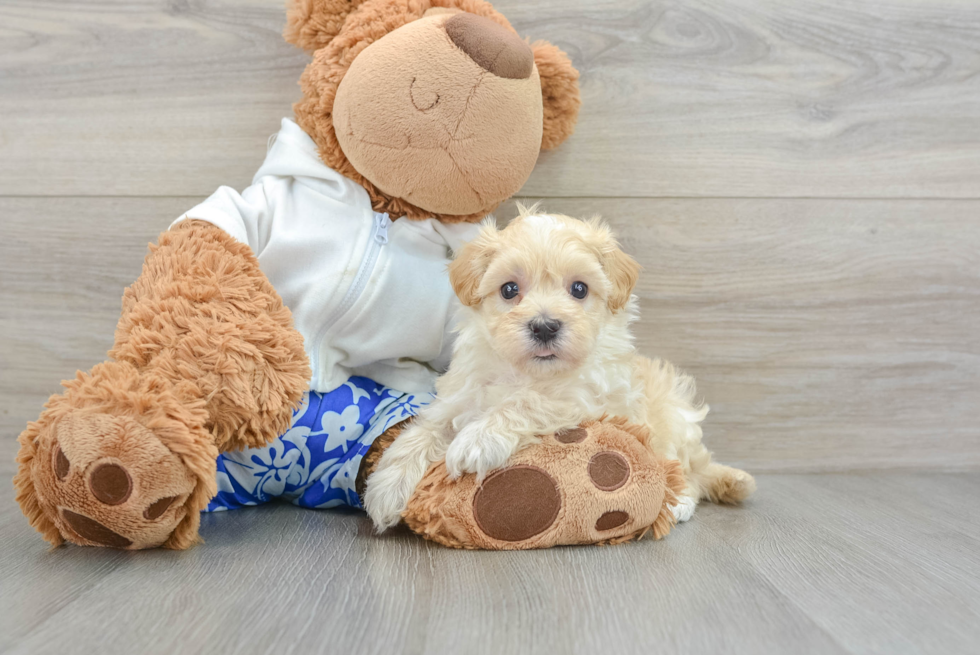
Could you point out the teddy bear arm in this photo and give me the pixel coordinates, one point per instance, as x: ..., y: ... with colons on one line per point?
x: 203, y: 313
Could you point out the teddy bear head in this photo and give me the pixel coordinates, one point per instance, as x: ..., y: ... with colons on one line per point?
x: 437, y: 107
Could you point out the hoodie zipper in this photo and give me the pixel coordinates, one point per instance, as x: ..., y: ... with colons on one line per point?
x: 377, y: 241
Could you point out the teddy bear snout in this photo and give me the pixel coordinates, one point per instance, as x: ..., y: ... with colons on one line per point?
x: 495, y: 48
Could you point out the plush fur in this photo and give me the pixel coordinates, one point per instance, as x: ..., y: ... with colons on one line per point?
x: 559, y: 86
x: 443, y: 509
x: 504, y: 388
x: 202, y: 310
x: 206, y: 360
x: 452, y: 142
x: 144, y: 423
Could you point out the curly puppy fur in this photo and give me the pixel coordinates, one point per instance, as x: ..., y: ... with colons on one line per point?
x: 504, y: 386
x: 373, y: 456
x: 206, y: 360
x: 338, y: 30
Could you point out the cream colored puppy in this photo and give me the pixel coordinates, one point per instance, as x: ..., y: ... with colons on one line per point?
x: 544, y: 344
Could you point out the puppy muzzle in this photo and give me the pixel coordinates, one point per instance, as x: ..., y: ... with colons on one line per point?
x: 544, y: 330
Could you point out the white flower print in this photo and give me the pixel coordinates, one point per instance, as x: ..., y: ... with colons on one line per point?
x: 340, y: 428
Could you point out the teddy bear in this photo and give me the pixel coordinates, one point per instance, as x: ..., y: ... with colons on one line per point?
x: 279, y: 338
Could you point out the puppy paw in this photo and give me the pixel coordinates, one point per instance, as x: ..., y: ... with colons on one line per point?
x: 684, y: 509
x: 386, y: 497
x: 475, y: 450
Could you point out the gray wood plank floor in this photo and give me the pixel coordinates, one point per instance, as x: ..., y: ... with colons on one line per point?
x: 879, y: 562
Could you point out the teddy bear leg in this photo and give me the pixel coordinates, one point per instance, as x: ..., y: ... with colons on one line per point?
x: 596, y: 484
x: 206, y: 360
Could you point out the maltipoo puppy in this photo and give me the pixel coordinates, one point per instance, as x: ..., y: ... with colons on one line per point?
x: 543, y: 344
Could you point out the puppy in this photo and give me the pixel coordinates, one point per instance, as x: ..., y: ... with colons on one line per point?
x: 544, y: 344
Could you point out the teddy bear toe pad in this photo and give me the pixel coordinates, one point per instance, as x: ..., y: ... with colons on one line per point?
x: 501, y: 506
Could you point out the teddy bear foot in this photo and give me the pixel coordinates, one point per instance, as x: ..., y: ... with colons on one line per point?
x: 597, y: 484
x: 118, y: 475
x: 112, y: 483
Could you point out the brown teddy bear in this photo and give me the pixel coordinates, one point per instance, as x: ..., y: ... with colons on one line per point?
x: 277, y: 339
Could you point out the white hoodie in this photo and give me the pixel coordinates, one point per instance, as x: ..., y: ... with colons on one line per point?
x: 369, y: 296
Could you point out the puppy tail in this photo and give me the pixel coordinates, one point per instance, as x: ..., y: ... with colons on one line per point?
x: 673, y: 395
x: 724, y: 484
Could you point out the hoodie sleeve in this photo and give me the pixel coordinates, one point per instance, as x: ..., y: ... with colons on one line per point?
x: 246, y: 216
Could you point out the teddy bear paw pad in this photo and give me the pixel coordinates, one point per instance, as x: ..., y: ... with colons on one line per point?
x: 516, y: 503
x: 94, y: 531
x: 609, y: 471
x: 110, y: 483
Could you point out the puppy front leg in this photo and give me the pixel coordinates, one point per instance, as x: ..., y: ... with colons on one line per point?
x: 479, y: 449
x: 683, y: 510
x: 399, y: 472
x: 486, y: 443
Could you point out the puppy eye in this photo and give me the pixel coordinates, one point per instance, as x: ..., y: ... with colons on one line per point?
x: 579, y: 290
x: 509, y: 290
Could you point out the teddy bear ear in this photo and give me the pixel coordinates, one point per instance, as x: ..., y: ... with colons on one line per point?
x: 311, y: 24
x: 559, y: 90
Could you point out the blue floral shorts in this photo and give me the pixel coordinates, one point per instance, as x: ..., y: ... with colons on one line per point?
x: 314, y: 464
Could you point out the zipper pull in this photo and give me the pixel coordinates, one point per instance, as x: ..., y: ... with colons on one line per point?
x: 381, y: 223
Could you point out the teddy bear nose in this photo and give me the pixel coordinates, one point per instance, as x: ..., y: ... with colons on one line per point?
x: 495, y: 48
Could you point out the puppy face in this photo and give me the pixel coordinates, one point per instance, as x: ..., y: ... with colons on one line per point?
x: 544, y: 287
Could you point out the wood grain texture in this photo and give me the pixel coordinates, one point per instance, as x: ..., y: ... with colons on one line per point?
x: 815, y: 563
x: 825, y: 334
x: 832, y: 545
x: 741, y: 98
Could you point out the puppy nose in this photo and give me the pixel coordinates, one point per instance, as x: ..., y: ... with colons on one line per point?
x: 544, y: 330
x: 495, y: 48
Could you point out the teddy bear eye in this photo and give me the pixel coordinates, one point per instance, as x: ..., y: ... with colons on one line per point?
x: 579, y: 290
x: 509, y: 290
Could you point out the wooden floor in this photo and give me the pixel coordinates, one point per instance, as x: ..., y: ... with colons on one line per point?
x: 799, y: 179
x: 879, y: 562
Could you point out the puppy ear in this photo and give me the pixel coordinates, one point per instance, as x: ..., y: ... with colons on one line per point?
x: 622, y: 270
x: 559, y: 91
x: 311, y: 24
x: 467, y: 269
